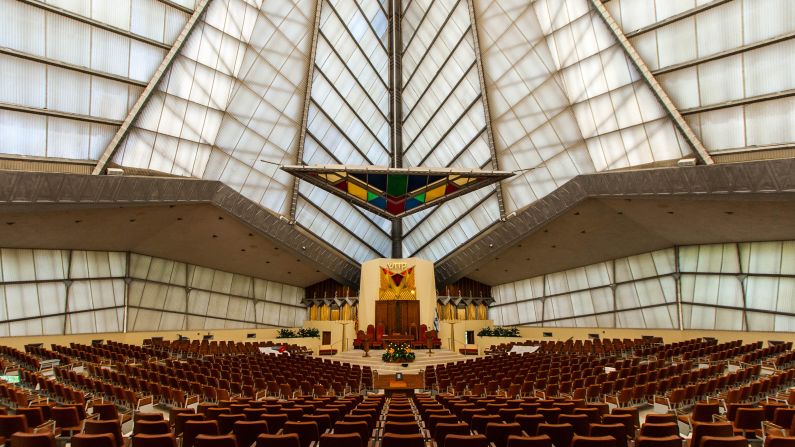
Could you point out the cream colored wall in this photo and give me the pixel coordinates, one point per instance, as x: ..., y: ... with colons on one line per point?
x: 335, y: 327
x: 668, y: 335
x: 459, y: 328
x: 425, y: 283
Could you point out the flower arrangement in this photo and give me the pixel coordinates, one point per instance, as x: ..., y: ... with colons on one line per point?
x: 398, y: 353
x: 499, y: 331
x: 303, y: 332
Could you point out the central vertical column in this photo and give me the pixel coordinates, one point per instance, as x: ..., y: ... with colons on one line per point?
x: 396, y: 107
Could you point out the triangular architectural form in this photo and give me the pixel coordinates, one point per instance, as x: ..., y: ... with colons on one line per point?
x: 395, y: 192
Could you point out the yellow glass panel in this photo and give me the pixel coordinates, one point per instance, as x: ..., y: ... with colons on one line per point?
x: 333, y: 178
x: 435, y: 193
x: 335, y: 314
x: 357, y: 191
x: 461, y: 181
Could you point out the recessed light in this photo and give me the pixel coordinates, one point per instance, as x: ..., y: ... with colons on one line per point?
x: 250, y: 234
x: 577, y: 213
x: 171, y: 206
x: 215, y: 236
x: 242, y: 249
x: 317, y: 271
x: 554, y: 246
x: 526, y: 259
x: 506, y: 270
x: 546, y: 231
x: 620, y: 213
x: 267, y: 262
x: 179, y: 218
x: 289, y: 273
x: 520, y: 245
x: 78, y: 221
x: 220, y: 218
x: 9, y: 223
x: 496, y: 259
x: 132, y: 220
x: 670, y: 212
x: 729, y: 212
x: 297, y: 260
x: 582, y: 232
x: 275, y: 248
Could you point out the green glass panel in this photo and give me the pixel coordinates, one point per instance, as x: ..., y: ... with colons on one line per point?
x: 371, y: 196
x: 396, y: 185
x: 420, y: 198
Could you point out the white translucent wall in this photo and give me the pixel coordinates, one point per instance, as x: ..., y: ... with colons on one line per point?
x: 348, y: 122
x: 51, y: 292
x: 444, y: 121
x: 736, y: 286
x: 739, y: 51
x: 564, y: 100
x: 232, y: 98
x: 93, y: 69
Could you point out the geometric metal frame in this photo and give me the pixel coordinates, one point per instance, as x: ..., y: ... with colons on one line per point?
x: 453, y: 183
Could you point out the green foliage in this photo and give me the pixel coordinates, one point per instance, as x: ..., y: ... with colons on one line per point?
x: 286, y: 333
x: 301, y: 333
x: 499, y: 331
x: 309, y: 332
x: 398, y: 353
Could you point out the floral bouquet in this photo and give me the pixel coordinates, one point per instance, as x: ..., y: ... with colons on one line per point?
x: 398, y: 353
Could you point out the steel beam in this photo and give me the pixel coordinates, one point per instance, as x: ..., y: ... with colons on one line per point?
x: 59, y: 114
x: 132, y: 115
x: 740, y: 102
x: 177, y: 6
x: 726, y: 53
x: 396, y: 106
x: 89, y: 21
x: 430, y: 45
x: 484, y: 97
x: 677, y: 17
x: 72, y: 67
x: 680, y: 123
x: 310, y: 73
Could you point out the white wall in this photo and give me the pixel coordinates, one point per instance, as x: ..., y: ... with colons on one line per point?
x: 736, y: 287
x: 52, y: 292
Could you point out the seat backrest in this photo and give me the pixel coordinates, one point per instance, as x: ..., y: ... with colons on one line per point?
x: 402, y: 440
x: 670, y: 441
x: 181, y: 418
x: 779, y: 441
x: 593, y: 441
x: 111, y: 426
x: 617, y: 431
x: 454, y: 440
x: 561, y: 434
x: 215, y: 441
x: 403, y: 428
x: 281, y: 440
x: 659, y: 430
x: 749, y: 418
x: 196, y: 428
x: 151, y: 427
x: 307, y: 431
x: 275, y: 422
x: 33, y: 415
x: 701, y: 429
x: 21, y: 439
x: 66, y: 416
x: 144, y: 440
x: 444, y: 429
x: 479, y: 422
x: 93, y: 440
x: 529, y: 441
x: 580, y: 422
x: 498, y: 433
x: 340, y: 439
x: 529, y: 422
x: 246, y: 432
x: 703, y: 411
x: 362, y: 428
x: 660, y: 418
x: 720, y: 441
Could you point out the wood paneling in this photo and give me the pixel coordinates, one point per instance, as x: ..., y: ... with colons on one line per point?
x: 397, y: 316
